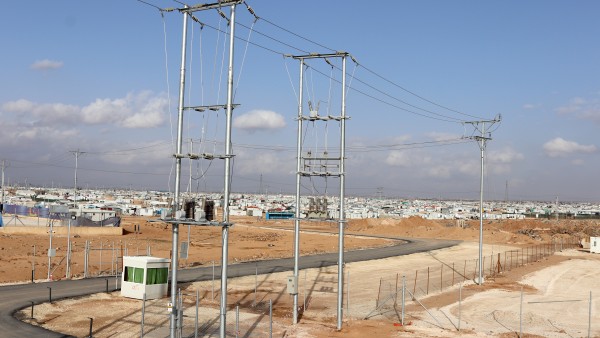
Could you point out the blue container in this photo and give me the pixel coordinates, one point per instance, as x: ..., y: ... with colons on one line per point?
x: 9, y: 209
x: 22, y: 210
x: 44, y: 212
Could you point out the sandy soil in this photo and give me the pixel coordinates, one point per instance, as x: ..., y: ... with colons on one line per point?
x: 247, y: 242
x: 553, y: 285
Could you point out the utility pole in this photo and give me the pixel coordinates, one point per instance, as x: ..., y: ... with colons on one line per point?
x: 77, y: 153
x: 2, y: 201
x: 556, y: 207
x: 175, y: 233
x: 308, y: 165
x: 227, y: 157
x: 481, y: 139
x: 191, y: 152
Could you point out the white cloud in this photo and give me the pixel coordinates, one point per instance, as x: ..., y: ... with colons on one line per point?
x: 46, y: 65
x: 259, y: 120
x: 105, y: 111
x: 505, y: 156
x: 399, y: 158
x: 159, y: 153
x: 582, y: 108
x: 400, y: 139
x: 19, y: 106
x: 20, y: 134
x: 135, y: 110
x: 530, y: 106
x: 144, y: 120
x: 47, y: 113
x: 500, y: 161
x: 469, y: 167
x: 561, y: 147
x: 440, y: 171
x: 437, y: 136
x: 251, y: 163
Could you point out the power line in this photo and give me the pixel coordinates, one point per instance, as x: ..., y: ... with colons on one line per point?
x: 151, y: 5
x: 366, y: 68
x: 88, y: 169
x: 116, y: 152
x: 419, y: 96
x: 402, y: 101
x: 442, y: 117
x: 274, y: 39
x: 447, y: 119
x: 297, y: 35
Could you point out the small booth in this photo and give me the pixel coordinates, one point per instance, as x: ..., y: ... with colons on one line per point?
x: 145, y: 274
x: 595, y: 244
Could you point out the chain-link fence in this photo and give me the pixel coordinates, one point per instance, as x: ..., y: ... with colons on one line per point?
x: 199, y: 317
x: 437, y: 278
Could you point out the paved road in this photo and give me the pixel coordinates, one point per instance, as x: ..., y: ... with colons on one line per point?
x: 16, y: 297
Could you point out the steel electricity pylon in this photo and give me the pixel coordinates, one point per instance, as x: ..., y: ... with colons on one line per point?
x: 315, y: 165
x: 484, y: 136
x: 227, y: 157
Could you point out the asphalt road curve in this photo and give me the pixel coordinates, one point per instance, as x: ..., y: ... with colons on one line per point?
x: 16, y: 297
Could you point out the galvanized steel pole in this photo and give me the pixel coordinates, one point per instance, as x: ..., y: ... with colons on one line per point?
x: 227, y: 186
x: 342, y: 221
x: 481, y: 142
x: 482, y: 148
x: 2, y: 201
x: 298, y: 178
x: 175, y: 237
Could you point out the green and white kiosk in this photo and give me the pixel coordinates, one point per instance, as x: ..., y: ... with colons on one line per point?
x: 145, y: 274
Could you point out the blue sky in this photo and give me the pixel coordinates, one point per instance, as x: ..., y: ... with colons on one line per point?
x: 102, y: 77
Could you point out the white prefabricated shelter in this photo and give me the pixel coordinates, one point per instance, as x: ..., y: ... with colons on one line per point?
x: 595, y: 244
x: 145, y: 274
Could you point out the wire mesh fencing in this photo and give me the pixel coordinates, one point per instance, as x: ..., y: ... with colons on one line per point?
x: 199, y: 317
x: 437, y: 278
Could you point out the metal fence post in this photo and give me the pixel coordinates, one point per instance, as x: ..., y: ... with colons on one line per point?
x: 521, y: 315
x: 143, y: 315
x: 91, y: 326
x: 304, y: 291
x: 403, y: 296
x: 196, y: 320
x: 255, y: 284
x: 453, y: 274
x: 179, y: 313
x: 414, y: 284
x: 590, y: 316
x: 100, y: 269
x: 86, y: 257
x: 427, y: 280
x: 459, y: 305
x: 270, y: 318
x: 49, y: 294
x: 237, y: 320
x: 442, y: 278
x: 348, y: 293
x: 32, y: 265
x: 396, y: 290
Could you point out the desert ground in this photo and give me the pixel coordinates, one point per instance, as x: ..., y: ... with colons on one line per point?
x: 556, y: 287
